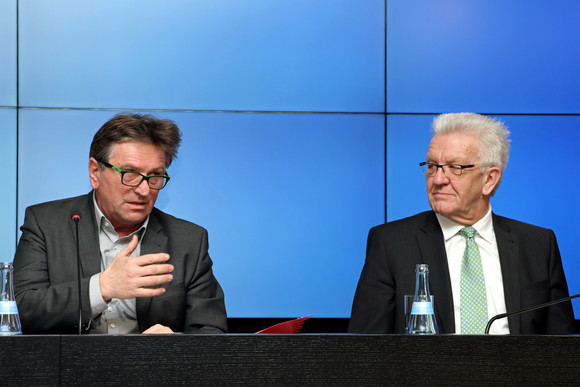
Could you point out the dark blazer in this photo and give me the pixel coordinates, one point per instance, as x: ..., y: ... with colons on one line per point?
x: 530, y: 263
x: 45, y: 271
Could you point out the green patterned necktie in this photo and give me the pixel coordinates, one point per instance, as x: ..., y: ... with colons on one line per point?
x: 473, y: 295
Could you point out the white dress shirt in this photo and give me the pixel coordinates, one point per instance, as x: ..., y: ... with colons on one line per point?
x: 455, y: 247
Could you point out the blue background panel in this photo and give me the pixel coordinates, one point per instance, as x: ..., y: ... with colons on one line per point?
x: 205, y: 55
x: 287, y: 198
x: 7, y: 52
x: 8, y: 191
x: 490, y: 56
x: 61, y: 139
x: 538, y: 187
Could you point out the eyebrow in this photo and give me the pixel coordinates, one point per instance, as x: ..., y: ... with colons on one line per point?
x: 432, y: 160
x: 131, y: 167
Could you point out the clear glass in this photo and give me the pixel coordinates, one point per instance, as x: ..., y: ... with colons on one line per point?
x: 422, y: 320
x: 9, y: 319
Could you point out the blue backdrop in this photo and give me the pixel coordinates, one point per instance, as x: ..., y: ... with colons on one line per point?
x: 304, y: 121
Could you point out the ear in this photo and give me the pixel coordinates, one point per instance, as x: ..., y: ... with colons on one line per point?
x: 94, y: 172
x: 491, y: 179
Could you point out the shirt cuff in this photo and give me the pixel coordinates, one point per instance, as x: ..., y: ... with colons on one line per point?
x: 98, y: 305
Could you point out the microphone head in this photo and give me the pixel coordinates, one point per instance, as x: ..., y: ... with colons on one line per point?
x: 75, y: 215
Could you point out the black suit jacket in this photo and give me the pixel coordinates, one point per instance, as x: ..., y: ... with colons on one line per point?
x: 531, y: 268
x: 45, y: 271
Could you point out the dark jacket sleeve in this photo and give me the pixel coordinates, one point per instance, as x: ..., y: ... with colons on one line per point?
x: 46, y: 290
x: 374, y: 305
x: 539, y: 288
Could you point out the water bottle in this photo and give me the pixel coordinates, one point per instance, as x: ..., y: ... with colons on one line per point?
x: 422, y: 319
x: 9, y: 320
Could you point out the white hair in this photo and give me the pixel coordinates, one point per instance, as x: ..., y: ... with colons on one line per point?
x: 494, y: 145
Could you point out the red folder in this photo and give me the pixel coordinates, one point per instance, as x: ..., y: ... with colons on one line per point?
x: 291, y: 326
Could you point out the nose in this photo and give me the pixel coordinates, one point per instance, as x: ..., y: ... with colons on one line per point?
x: 143, y: 189
x: 440, y: 178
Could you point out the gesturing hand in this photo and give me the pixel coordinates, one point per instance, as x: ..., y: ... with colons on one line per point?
x: 128, y: 277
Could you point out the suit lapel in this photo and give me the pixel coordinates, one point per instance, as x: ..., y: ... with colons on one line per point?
x: 89, y: 249
x: 432, y: 246
x: 154, y: 241
x: 508, y: 249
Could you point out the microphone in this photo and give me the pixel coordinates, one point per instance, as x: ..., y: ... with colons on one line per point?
x: 544, y: 305
x: 76, y: 218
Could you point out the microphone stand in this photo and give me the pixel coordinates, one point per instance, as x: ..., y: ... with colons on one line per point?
x: 550, y: 303
x: 79, y: 275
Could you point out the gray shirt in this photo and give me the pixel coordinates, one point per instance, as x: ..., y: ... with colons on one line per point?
x: 118, y: 316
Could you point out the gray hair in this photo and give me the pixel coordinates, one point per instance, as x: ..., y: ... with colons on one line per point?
x: 494, y: 145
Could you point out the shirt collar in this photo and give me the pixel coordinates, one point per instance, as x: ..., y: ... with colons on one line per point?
x: 101, y: 219
x: 484, y: 226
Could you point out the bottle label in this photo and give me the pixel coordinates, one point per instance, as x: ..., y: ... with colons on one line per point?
x: 424, y: 307
x: 8, y: 307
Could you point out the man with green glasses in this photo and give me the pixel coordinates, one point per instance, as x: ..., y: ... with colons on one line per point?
x: 141, y: 270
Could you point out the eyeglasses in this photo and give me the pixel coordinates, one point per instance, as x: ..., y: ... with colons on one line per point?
x: 133, y: 179
x: 455, y: 170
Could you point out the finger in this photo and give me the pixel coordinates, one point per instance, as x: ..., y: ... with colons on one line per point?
x: 148, y: 292
x: 151, y: 270
x: 143, y: 274
x: 154, y: 280
x: 149, y: 259
x: 131, y: 246
x: 157, y: 269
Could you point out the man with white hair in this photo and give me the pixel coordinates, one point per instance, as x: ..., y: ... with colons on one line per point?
x: 485, y: 262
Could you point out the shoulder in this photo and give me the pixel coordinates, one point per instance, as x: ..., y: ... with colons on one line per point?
x: 518, y: 227
x: 63, y: 207
x: 410, y: 223
x: 405, y: 231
